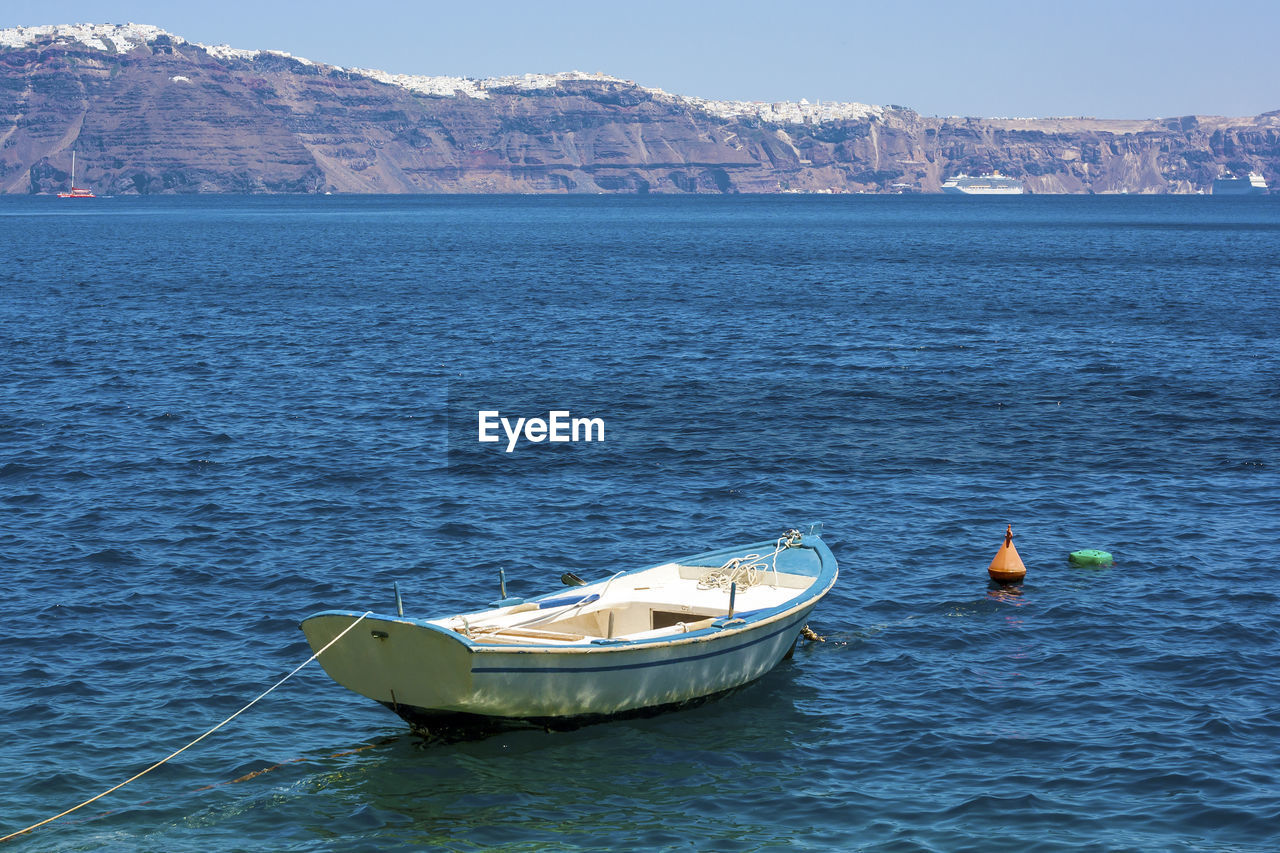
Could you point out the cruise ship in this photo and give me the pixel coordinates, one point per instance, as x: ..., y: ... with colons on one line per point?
x: 1229, y: 184
x: 992, y: 184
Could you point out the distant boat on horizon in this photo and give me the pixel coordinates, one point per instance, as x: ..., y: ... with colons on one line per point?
x: 1229, y: 184
x: 76, y: 192
x: 992, y: 184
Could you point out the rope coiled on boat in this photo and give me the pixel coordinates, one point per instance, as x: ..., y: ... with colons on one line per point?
x: 745, y: 570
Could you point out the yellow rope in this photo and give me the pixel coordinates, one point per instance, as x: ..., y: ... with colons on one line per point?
x: 810, y: 635
x: 194, y: 742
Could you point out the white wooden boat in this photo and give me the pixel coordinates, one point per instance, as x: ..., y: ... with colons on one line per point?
x: 641, y: 639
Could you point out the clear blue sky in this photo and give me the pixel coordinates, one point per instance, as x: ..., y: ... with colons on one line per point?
x: 1116, y: 59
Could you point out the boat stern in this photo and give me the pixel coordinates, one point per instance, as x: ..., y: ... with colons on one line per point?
x: 393, y: 660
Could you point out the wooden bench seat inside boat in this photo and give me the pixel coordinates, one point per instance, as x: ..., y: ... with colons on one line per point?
x: 533, y: 634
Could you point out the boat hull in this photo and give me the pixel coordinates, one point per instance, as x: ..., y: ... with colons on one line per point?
x: 450, y: 726
x: 419, y: 666
x: 983, y: 191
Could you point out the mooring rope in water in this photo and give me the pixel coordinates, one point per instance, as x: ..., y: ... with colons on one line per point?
x: 194, y: 742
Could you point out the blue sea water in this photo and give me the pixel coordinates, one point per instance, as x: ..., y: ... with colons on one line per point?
x: 223, y: 414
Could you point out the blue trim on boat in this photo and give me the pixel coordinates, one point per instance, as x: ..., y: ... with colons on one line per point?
x: 526, y: 670
x: 544, y: 603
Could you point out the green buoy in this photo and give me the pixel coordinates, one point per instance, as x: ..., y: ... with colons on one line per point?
x: 1090, y: 557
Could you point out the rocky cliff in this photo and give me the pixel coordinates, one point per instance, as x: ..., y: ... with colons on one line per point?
x: 149, y: 112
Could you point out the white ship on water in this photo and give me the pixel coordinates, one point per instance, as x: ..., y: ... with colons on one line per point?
x: 992, y: 184
x: 1229, y: 184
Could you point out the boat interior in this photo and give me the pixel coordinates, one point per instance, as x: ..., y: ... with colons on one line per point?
x: 662, y: 602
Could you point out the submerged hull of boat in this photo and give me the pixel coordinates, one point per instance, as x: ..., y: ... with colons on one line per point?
x: 650, y: 638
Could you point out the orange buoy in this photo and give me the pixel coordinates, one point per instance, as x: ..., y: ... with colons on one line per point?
x: 1007, y: 566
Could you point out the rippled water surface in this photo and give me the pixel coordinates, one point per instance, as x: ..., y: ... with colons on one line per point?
x: 221, y: 415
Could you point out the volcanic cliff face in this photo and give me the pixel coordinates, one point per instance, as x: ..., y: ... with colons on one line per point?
x: 148, y: 112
